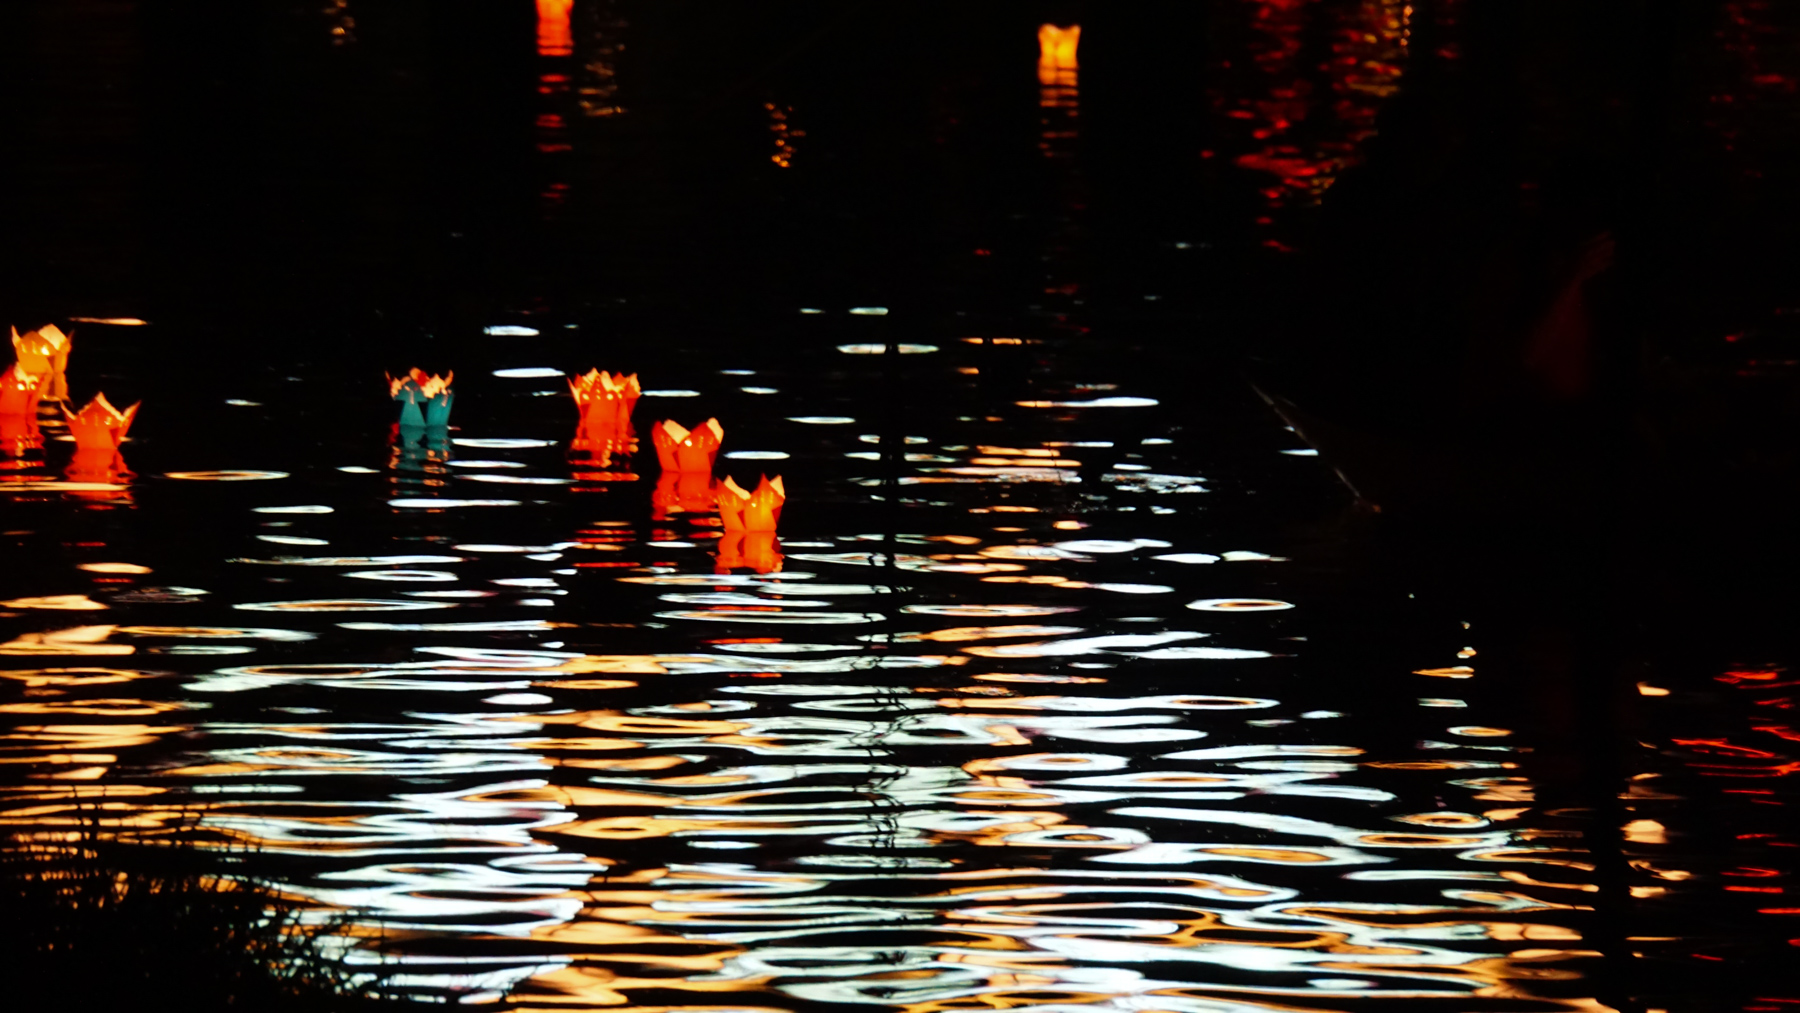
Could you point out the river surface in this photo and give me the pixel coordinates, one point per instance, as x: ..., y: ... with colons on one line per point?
x: 1075, y: 679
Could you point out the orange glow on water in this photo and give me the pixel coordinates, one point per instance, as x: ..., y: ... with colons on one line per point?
x: 756, y: 550
x: 683, y: 492
x: 554, y: 36
x: 1056, y: 53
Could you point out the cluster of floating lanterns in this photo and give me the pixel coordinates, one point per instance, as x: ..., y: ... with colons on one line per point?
x: 605, y: 402
x: 39, y: 375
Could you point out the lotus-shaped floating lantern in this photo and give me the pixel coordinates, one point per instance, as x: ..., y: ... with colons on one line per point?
x: 751, y: 511
x: 756, y: 550
x: 20, y: 390
x: 684, y: 450
x: 45, y: 353
x: 683, y: 492
x: 425, y: 399
x: 100, y: 426
x: 605, y: 401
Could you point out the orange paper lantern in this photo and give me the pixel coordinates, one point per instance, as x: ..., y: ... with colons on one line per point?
x: 606, y: 401
x: 679, y: 449
x: 100, y: 426
x: 752, y: 511
x: 45, y: 352
x: 20, y: 390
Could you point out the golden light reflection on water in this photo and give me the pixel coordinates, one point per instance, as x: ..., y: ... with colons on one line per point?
x: 529, y: 825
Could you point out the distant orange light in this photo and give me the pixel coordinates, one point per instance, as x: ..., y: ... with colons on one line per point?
x: 554, y: 36
x: 752, y: 511
x: 681, y: 450
x: 100, y: 426
x: 1056, y: 53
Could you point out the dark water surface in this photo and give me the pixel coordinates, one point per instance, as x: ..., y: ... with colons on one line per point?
x: 1081, y: 682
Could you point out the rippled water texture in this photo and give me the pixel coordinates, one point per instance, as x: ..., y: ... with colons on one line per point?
x: 1045, y: 738
x: 1073, y: 680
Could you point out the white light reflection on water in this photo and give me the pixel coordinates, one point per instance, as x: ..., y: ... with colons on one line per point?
x: 998, y: 766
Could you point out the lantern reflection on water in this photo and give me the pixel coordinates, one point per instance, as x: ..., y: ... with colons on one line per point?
x: 755, y: 550
x: 679, y: 449
x: 100, y: 426
x: 425, y: 399
x: 683, y: 492
x: 418, y: 449
x: 45, y: 353
x: 98, y: 466
x: 555, y: 37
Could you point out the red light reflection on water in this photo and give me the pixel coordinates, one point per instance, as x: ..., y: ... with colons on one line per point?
x: 554, y: 36
x: 1307, y: 114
